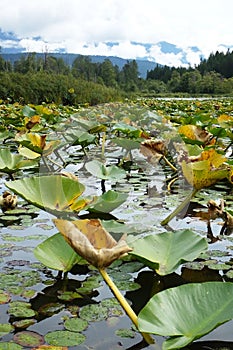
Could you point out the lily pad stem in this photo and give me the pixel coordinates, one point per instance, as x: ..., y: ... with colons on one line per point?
x: 180, y: 207
x: 103, y: 145
x: 129, y: 311
x: 169, y: 163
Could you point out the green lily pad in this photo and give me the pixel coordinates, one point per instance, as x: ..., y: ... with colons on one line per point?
x: 127, y: 144
x: 127, y: 285
x: 50, y: 309
x: 80, y: 137
x: 28, y: 338
x: 109, y: 201
x: 229, y: 274
x: 104, y: 172
x: 69, y: 296
x: 55, y: 193
x: 21, y: 309
x: 5, y: 328
x: 9, y: 218
x: 64, y: 338
x: 113, y: 306
x: 89, y: 285
x: 10, y: 346
x: 219, y: 266
x: 24, y: 323
x: 166, y: 251
x: 131, y: 267
x: 194, y: 310
x: 28, y: 111
x: 94, y: 312
x: 4, y: 297
x: 56, y: 253
x: 125, y: 333
x: 11, y: 162
x: 75, y: 324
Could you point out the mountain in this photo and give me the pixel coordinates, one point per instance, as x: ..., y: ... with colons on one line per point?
x: 147, y: 55
x: 68, y: 58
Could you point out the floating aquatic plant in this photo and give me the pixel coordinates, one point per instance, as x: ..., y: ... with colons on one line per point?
x: 168, y: 312
x: 11, y: 163
x: 166, y: 251
x: 91, y: 241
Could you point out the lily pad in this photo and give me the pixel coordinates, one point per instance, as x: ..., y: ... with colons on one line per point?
x: 64, y: 338
x: 80, y: 137
x: 50, y: 347
x: 10, y: 346
x: 104, y: 172
x: 187, y: 312
x: 69, y: 295
x: 127, y: 144
x: 21, y: 309
x: 55, y: 192
x: 75, y: 324
x: 28, y: 338
x: 109, y: 201
x: 94, y: 312
x: 4, y: 297
x: 56, y: 253
x: 166, y: 251
x: 125, y: 333
x: 5, y: 328
x: 24, y: 323
x: 50, y: 309
x: 37, y: 143
x: 11, y: 162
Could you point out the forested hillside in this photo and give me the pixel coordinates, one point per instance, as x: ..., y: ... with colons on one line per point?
x: 212, y: 76
x: 46, y: 78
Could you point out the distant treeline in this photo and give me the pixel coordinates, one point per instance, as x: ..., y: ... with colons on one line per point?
x: 34, y: 79
x: 212, y: 76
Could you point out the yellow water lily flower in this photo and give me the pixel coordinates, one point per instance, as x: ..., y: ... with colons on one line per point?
x: 206, y: 169
x: 37, y: 143
x: 194, y: 132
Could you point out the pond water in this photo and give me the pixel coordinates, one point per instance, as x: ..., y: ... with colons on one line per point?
x: 50, y: 296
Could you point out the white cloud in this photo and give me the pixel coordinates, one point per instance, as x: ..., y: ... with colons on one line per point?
x: 169, y: 59
x: 73, y: 23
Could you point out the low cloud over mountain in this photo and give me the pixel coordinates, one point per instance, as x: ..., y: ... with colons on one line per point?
x: 161, y: 52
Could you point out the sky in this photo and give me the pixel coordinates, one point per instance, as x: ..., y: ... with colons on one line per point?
x: 86, y: 26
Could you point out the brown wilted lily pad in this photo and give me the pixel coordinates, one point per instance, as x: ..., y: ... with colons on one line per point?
x: 92, y: 242
x: 28, y: 338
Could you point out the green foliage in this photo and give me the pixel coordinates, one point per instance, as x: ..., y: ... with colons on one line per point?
x: 56, y: 253
x: 38, y: 87
x: 101, y: 171
x: 11, y: 162
x: 37, y: 78
x: 187, y: 312
x: 55, y: 193
x: 164, y: 252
